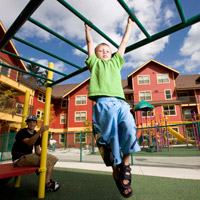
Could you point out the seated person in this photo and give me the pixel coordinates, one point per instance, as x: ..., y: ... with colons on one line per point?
x: 52, y: 143
x: 23, y: 155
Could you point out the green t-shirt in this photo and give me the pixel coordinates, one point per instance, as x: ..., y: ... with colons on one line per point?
x: 105, y: 77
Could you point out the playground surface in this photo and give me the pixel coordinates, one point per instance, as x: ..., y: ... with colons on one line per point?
x: 173, y: 167
x: 154, y: 178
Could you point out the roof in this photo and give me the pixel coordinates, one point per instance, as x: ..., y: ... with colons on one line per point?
x: 151, y: 60
x: 127, y: 89
x: 59, y: 91
x: 11, y: 48
x: 129, y: 77
x: 188, y: 81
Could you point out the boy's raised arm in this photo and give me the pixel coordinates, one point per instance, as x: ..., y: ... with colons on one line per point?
x: 125, y: 38
x: 89, y: 40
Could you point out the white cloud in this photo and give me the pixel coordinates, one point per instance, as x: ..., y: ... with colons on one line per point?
x: 58, y: 66
x: 191, y: 42
x: 143, y: 54
x: 168, y: 16
x: 190, y: 51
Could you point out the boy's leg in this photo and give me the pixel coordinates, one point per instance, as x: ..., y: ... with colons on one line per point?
x: 105, y: 128
x: 126, y: 160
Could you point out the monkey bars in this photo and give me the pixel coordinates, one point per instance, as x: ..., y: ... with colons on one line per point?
x: 30, y: 8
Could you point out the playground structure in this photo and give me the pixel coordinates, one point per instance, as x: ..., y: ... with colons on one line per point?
x: 157, y: 132
x: 25, y: 15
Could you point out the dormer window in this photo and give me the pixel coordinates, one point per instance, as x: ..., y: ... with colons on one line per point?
x: 163, y: 78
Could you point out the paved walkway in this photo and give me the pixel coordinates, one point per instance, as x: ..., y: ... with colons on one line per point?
x: 174, y: 167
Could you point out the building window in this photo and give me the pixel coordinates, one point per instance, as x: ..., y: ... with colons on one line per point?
x: 169, y: 110
x: 41, y: 97
x: 163, y: 78
x: 147, y: 113
x: 78, y: 138
x: 19, y: 108
x: 40, y: 114
x: 63, y: 119
x: 80, y: 116
x: 145, y: 96
x: 62, y: 138
x: 143, y: 80
x: 64, y: 103
x: 168, y: 94
x: 4, y: 70
x: 188, y: 114
x: 81, y: 100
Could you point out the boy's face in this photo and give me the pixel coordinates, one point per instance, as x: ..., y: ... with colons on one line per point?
x: 103, y: 52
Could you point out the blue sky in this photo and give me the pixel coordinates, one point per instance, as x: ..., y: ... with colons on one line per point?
x: 180, y: 50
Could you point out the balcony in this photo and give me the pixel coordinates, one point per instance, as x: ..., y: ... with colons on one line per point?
x: 188, y: 99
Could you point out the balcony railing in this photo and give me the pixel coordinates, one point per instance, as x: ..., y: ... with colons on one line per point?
x: 12, y: 106
x: 188, y: 99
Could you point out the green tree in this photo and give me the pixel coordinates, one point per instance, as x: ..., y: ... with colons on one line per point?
x: 7, y: 101
x: 52, y: 117
x: 34, y: 69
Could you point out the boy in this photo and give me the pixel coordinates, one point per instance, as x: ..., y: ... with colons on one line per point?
x: 112, y: 120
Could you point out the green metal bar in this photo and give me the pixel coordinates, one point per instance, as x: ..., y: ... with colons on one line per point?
x: 81, y: 147
x: 56, y: 34
x: 69, y: 76
x: 20, y: 20
x: 131, y: 158
x: 20, y: 70
x: 134, y: 18
x: 180, y: 10
x: 66, y: 5
x: 164, y: 33
x: 4, y: 140
x: 46, y: 52
x: 157, y: 36
x: 34, y: 63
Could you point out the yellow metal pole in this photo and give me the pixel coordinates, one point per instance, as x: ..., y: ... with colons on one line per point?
x: 23, y: 125
x: 43, y: 169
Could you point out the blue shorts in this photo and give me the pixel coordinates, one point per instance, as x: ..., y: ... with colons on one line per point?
x: 114, y: 128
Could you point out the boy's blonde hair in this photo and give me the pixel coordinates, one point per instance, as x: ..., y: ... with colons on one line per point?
x: 100, y: 45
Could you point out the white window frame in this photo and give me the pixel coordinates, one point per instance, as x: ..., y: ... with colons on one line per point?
x: 142, y: 82
x: 145, y: 98
x: 20, y: 109
x: 82, y: 101
x: 163, y: 79
x: 79, y: 113
x: 147, y: 113
x: 168, y: 112
x: 63, y: 119
x: 9, y: 70
x: 40, y: 114
x: 62, y: 103
x: 168, y: 94
x: 41, y: 97
x: 62, y: 138
x: 77, y: 137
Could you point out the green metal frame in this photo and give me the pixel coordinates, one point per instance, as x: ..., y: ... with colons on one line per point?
x: 26, y: 13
